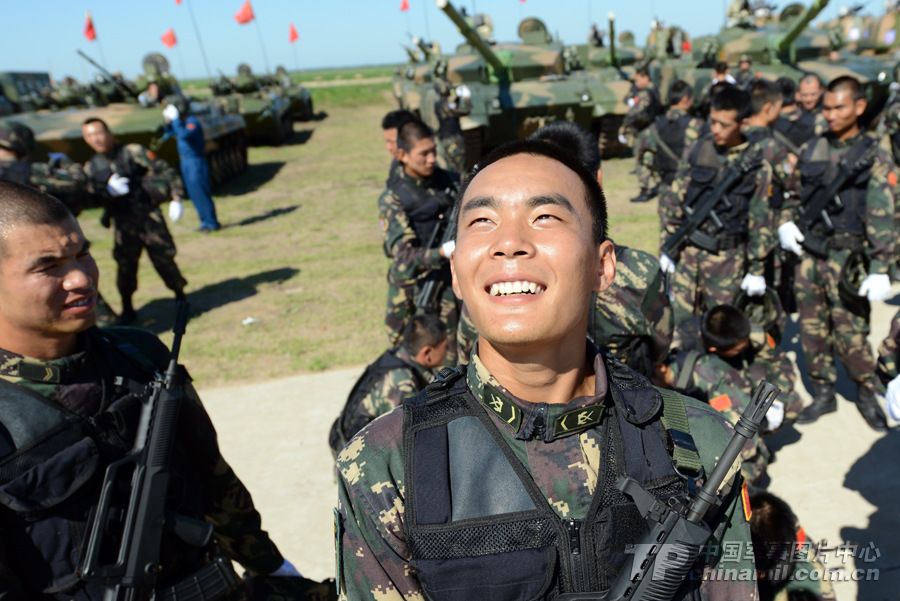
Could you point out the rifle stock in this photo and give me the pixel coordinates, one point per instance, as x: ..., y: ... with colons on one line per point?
x: 425, y: 299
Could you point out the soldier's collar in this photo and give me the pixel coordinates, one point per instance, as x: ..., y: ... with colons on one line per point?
x: 54, y: 371
x: 544, y: 421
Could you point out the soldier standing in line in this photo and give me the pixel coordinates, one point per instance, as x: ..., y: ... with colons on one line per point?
x: 516, y: 445
x: 794, y: 127
x: 667, y: 138
x: 390, y: 125
x: 398, y: 373
x: 451, y: 104
x: 888, y: 371
x: 643, y: 106
x: 844, y: 258
x: 744, y: 76
x: 131, y: 185
x: 740, y: 229
x: 810, y: 92
x: 410, y: 210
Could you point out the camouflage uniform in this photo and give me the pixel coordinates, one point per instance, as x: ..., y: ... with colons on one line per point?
x: 411, y: 262
x: 466, y: 335
x: 374, y: 556
x: 828, y: 324
x: 655, y: 152
x: 397, y: 384
x: 632, y: 319
x: 138, y: 222
x: 703, y: 279
x: 448, y: 108
x: 82, y: 386
x: 889, y: 353
x: 643, y: 106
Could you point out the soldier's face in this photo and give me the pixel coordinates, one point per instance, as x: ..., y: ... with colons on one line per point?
x: 808, y: 94
x: 421, y: 158
x: 526, y: 262
x: 725, y: 128
x: 97, y: 137
x: 842, y: 112
x: 48, y: 283
x: 641, y: 81
x: 390, y: 141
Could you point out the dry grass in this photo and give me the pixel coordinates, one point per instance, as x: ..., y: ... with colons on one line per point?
x: 301, y: 255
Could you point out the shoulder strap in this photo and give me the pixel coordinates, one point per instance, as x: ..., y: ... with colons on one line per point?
x: 128, y: 349
x: 687, y: 368
x: 675, y: 421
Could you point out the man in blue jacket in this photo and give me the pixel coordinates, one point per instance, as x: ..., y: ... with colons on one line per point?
x: 188, y: 133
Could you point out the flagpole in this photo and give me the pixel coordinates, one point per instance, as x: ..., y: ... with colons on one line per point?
x: 199, y: 40
x: 262, y: 44
x: 181, y: 60
x: 296, y: 61
x: 427, y: 29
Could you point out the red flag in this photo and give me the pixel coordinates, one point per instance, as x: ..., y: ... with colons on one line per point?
x: 245, y: 15
x: 404, y: 5
x: 293, y: 36
x: 89, y: 32
x: 177, y: 1
x: 168, y: 39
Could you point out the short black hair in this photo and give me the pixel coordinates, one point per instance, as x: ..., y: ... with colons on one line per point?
x: 642, y: 70
x: 731, y: 98
x: 594, y: 197
x: 678, y: 91
x: 720, y: 67
x: 21, y: 204
x: 90, y: 120
x: 724, y: 327
x: 846, y: 83
x: 572, y: 138
x: 411, y: 132
x: 394, y: 119
x: 788, y: 90
x: 763, y: 92
x: 423, y: 330
x: 773, y: 529
x: 813, y: 77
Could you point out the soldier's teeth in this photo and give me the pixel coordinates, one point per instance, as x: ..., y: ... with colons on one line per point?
x: 517, y: 287
x: 532, y: 287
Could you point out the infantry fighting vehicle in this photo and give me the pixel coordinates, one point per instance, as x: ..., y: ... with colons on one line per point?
x: 130, y: 121
x: 265, y: 107
x: 301, y: 100
x: 516, y: 87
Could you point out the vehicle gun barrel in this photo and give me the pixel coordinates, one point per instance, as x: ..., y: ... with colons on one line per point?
x: 785, y: 43
x: 474, y: 39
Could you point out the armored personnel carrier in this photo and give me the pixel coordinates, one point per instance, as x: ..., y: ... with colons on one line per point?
x: 264, y: 106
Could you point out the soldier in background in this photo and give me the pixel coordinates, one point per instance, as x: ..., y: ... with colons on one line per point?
x: 131, y: 185
x: 451, y: 104
x: 744, y: 76
x: 703, y: 278
x: 810, y: 92
x: 390, y: 125
x: 397, y: 373
x: 834, y: 289
x: 410, y: 209
x: 643, y: 106
x: 794, y: 127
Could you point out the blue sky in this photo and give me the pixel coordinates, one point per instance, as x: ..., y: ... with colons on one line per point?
x: 44, y: 34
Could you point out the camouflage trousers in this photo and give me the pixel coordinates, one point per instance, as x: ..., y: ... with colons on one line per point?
x: 452, y: 151
x: 703, y: 280
x: 134, y: 233
x: 828, y: 326
x: 889, y: 352
x: 774, y: 366
x: 401, y: 307
x: 643, y: 167
x: 466, y: 335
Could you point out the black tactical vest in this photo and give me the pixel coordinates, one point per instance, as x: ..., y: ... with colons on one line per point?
x: 424, y: 205
x: 799, y: 130
x: 477, y: 525
x: 671, y: 133
x: 816, y: 168
x: 351, y: 420
x: 18, y: 172
x: 707, y: 166
x: 102, y: 167
x: 52, y: 462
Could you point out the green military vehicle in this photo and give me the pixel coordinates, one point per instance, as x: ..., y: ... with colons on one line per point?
x: 515, y: 87
x: 24, y: 91
x: 301, y: 100
x: 264, y: 106
x: 59, y: 131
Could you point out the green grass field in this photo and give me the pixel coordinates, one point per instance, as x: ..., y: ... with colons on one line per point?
x: 300, y: 255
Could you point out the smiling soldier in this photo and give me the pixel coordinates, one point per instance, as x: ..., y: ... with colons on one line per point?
x: 498, y: 481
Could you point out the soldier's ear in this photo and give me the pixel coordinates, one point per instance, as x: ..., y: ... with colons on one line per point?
x: 606, y: 266
x: 860, y: 107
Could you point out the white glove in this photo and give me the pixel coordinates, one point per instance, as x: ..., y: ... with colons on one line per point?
x: 171, y: 113
x: 775, y: 415
x: 623, y: 139
x: 753, y: 285
x: 666, y: 263
x: 892, y: 408
x: 876, y: 286
x: 286, y: 569
x: 790, y: 237
x: 448, y: 247
x: 117, y: 185
x: 176, y: 210
x: 463, y: 91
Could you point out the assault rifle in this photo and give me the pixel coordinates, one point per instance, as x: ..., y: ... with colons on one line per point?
x: 689, y: 230
x: 824, y: 204
x: 662, y: 560
x: 123, y: 546
x: 426, y: 300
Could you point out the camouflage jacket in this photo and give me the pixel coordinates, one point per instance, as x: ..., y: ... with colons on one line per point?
x: 695, y: 126
x: 147, y: 174
x: 373, y: 554
x: 634, y: 306
x: 411, y: 259
x: 776, y: 154
x: 889, y: 353
x: 62, y: 178
x: 82, y: 384
x: 396, y: 385
x: 878, y: 215
x: 761, y: 236
x: 643, y: 106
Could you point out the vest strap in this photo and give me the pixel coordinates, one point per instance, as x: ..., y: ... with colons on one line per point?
x: 674, y: 418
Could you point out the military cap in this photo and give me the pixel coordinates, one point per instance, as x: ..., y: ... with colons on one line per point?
x: 16, y: 137
x: 745, y: 58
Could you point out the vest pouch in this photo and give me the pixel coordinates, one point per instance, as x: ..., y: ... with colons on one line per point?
x: 49, y: 472
x: 703, y: 175
x: 812, y: 171
x: 524, y: 575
